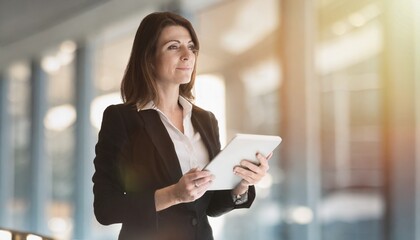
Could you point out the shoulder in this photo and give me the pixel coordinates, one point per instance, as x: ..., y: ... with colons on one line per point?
x: 202, y: 113
x: 120, y: 108
x: 123, y: 113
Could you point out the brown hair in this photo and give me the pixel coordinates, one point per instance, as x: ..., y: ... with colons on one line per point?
x: 138, y: 85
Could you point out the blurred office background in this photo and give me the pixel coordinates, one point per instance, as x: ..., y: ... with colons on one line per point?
x: 339, y: 80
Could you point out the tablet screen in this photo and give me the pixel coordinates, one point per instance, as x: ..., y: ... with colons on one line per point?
x: 242, y: 146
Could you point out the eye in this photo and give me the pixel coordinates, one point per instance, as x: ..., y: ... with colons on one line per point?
x: 192, y: 48
x: 173, y: 47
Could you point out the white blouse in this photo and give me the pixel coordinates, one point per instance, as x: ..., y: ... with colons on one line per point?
x: 189, y: 147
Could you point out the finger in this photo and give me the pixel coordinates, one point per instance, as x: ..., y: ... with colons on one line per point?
x: 192, y: 170
x: 245, y: 173
x: 199, y: 191
x: 192, y: 175
x: 263, y: 161
x: 250, y: 166
x: 203, y: 188
x: 204, y: 180
x: 200, y: 174
x: 245, y: 177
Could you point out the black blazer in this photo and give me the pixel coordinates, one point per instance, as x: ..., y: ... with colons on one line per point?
x: 135, y: 156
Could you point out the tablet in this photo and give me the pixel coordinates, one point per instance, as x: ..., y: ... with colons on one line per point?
x: 242, y: 146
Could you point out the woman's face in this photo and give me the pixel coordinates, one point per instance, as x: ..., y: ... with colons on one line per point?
x: 175, y: 58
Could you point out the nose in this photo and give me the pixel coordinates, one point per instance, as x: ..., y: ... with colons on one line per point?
x: 186, y: 54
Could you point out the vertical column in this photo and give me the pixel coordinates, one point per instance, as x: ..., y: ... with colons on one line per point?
x: 342, y: 133
x: 399, y: 119
x: 39, y: 167
x: 84, y: 149
x: 300, y: 114
x: 416, y: 30
x: 6, y: 163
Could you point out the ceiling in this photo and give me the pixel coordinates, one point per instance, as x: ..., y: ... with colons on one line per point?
x: 22, y: 18
x: 28, y: 28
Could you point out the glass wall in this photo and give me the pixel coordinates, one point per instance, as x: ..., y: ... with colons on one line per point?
x: 349, y: 50
x: 59, y: 123
x: 366, y: 68
x: 19, y: 100
x: 318, y: 73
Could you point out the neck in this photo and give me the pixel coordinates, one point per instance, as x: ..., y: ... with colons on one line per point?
x: 168, y: 99
x: 168, y: 104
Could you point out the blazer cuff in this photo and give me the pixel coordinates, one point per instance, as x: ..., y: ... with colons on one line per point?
x: 251, y: 198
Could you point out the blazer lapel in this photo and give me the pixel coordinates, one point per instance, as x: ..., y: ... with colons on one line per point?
x: 163, y: 143
x: 202, y: 124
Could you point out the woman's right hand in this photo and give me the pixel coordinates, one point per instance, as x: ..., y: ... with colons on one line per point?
x: 192, y: 185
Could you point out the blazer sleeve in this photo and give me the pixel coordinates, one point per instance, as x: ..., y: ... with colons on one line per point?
x: 112, y: 204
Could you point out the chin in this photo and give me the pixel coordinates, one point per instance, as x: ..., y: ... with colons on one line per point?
x: 186, y: 80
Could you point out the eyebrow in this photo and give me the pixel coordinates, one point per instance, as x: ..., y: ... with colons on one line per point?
x: 177, y: 41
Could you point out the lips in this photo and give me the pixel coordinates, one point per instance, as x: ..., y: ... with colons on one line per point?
x: 184, y: 68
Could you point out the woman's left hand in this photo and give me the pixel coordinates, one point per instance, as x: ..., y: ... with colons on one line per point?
x: 250, y: 172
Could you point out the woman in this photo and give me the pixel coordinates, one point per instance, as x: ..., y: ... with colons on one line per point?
x: 151, y: 148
